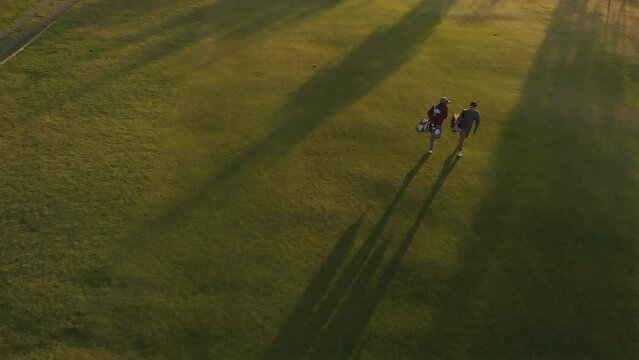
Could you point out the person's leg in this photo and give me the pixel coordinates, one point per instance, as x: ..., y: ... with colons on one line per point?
x: 462, y: 136
x: 432, y: 141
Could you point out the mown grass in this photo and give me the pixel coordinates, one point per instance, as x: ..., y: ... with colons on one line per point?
x: 11, y: 10
x: 241, y: 179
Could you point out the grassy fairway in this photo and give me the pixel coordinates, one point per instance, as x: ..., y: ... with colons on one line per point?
x: 240, y: 179
x: 10, y: 10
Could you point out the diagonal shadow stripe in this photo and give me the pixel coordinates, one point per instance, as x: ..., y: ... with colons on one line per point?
x: 376, y: 58
x: 549, y: 268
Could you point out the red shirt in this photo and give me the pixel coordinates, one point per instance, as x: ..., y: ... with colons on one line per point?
x: 439, y: 116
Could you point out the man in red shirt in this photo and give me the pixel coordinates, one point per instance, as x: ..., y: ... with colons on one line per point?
x: 436, y: 115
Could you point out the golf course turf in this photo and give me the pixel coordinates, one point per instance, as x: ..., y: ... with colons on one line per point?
x: 241, y: 179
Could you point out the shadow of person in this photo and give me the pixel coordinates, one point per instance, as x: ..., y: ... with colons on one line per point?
x: 318, y: 301
x: 330, y: 324
x: 351, y: 318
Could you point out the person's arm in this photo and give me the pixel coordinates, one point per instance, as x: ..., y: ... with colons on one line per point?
x: 477, y: 124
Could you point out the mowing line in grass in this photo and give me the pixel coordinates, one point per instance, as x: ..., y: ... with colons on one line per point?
x: 18, y: 51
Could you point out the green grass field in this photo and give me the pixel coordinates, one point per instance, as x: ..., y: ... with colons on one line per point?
x: 241, y: 179
x: 10, y: 10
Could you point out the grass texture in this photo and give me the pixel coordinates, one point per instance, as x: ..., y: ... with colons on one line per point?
x: 241, y: 179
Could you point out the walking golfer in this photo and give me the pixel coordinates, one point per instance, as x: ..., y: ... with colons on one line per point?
x: 465, y: 122
x: 437, y: 114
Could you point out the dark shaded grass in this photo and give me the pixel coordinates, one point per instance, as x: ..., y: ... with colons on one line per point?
x: 226, y: 19
x: 241, y: 18
x: 550, y: 270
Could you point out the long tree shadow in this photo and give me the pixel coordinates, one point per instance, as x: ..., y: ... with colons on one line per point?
x: 367, y: 65
x: 328, y: 321
x: 326, y: 94
x: 620, y: 27
x: 377, y: 57
x: 549, y: 270
x: 224, y: 19
x: 241, y: 18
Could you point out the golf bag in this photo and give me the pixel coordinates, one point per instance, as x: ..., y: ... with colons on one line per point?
x: 455, y: 122
x: 425, y: 125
